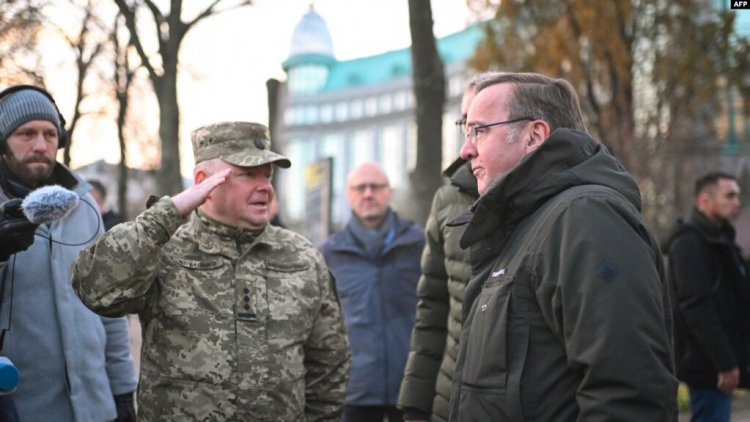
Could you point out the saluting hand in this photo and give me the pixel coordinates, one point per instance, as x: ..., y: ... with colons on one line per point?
x: 192, y: 197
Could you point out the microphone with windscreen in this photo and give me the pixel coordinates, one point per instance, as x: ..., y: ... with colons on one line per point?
x: 48, y: 204
x: 19, y: 219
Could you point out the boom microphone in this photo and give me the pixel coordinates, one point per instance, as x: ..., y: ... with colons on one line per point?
x: 48, y: 203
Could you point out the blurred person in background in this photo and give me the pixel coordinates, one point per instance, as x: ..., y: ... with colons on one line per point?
x: 109, y: 216
x: 375, y: 262
x: 711, y: 299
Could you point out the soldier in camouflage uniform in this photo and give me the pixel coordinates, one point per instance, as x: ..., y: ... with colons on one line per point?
x: 240, y: 318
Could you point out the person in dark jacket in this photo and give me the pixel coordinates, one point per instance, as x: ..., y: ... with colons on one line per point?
x: 109, y: 216
x: 375, y: 261
x: 711, y: 299
x: 566, y: 315
x: 426, y: 387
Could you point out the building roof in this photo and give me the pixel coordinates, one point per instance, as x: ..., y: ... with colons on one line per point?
x: 380, y: 68
x: 457, y: 47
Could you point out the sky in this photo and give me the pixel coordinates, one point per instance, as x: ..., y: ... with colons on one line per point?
x: 227, y: 59
x: 260, y: 40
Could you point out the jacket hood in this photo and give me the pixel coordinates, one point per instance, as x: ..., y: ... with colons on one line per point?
x: 566, y: 159
x: 711, y: 231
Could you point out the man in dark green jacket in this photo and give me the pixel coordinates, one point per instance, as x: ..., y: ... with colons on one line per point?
x: 428, y: 376
x: 566, y: 316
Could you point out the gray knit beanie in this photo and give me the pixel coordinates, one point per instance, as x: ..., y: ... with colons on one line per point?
x: 25, y: 105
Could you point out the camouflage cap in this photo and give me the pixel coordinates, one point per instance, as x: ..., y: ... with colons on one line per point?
x: 243, y: 144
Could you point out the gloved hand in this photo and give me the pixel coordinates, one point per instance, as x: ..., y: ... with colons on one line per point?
x: 125, y: 408
x: 16, y: 231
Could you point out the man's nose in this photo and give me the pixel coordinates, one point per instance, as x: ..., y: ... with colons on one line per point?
x: 468, y: 150
x: 265, y: 185
x: 40, y: 143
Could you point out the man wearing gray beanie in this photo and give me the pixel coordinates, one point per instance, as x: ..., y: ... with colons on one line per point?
x: 73, y: 364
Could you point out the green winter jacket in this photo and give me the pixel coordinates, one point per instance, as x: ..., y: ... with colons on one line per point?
x: 567, y: 314
x: 445, y: 271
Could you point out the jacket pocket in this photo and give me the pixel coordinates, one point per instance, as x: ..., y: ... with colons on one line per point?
x: 486, y: 361
x: 194, y: 291
x: 193, y: 323
x: 293, y: 297
x: 496, y: 348
x: 481, y: 405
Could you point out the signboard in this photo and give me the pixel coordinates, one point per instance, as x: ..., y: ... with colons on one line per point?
x: 318, y: 193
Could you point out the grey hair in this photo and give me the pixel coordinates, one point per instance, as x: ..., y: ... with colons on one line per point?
x: 480, y: 77
x: 541, y: 97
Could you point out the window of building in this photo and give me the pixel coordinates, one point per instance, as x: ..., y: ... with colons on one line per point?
x: 342, y: 111
x: 289, y: 116
x: 399, y: 100
x: 361, y: 147
x: 371, y: 106
x: 356, y: 109
x: 326, y: 113
x: 392, y: 150
x: 410, y: 101
x: 385, y: 103
x: 307, y: 79
x: 311, y: 114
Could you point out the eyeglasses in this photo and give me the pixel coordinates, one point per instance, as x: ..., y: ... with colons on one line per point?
x: 375, y: 187
x: 475, y: 134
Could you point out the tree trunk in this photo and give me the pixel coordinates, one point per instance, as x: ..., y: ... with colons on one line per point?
x: 428, y: 76
x: 170, y: 180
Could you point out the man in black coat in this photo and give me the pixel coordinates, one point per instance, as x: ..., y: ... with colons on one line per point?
x: 711, y: 299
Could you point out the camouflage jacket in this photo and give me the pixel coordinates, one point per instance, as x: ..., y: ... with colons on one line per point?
x: 236, y: 326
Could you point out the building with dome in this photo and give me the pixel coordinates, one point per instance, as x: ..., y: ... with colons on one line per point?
x: 353, y: 111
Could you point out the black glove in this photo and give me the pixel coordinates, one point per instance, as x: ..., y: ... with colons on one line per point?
x: 16, y: 231
x: 125, y: 408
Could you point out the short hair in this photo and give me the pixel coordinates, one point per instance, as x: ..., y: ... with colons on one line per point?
x: 99, y: 187
x: 541, y: 97
x: 479, y: 77
x: 210, y: 166
x: 710, y: 180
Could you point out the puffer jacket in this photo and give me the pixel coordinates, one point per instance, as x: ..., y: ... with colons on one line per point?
x: 567, y: 311
x: 446, y: 269
x: 378, y: 298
